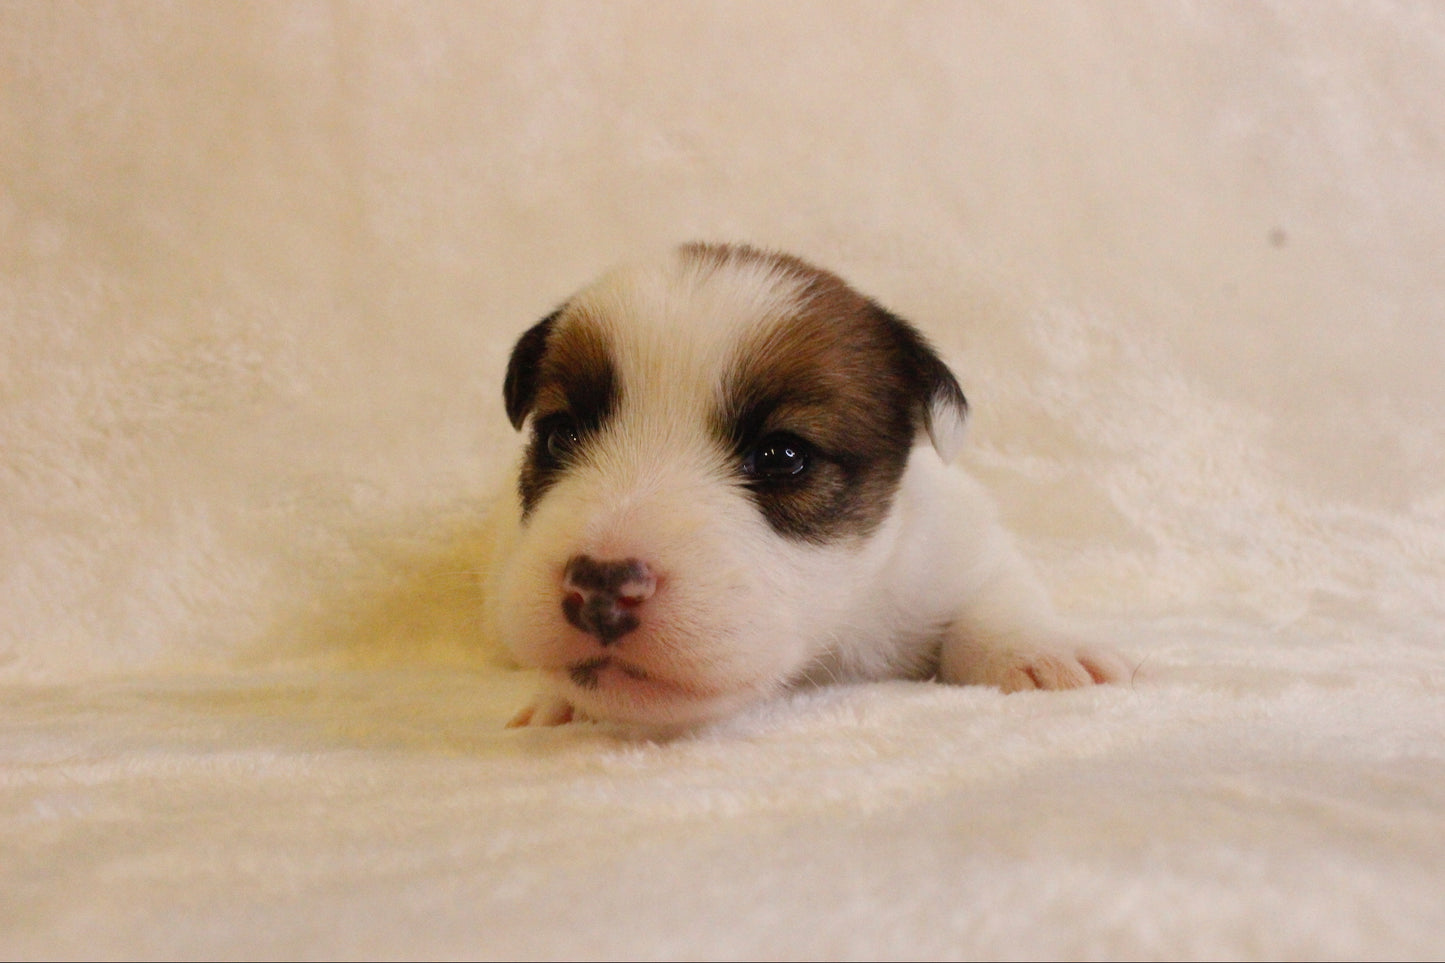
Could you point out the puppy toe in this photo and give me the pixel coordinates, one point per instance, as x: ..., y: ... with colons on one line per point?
x: 1104, y: 667
x: 1052, y: 670
x: 1045, y: 670
x: 1073, y: 670
x: 545, y: 711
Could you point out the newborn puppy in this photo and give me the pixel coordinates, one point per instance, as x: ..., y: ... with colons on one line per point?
x: 736, y: 480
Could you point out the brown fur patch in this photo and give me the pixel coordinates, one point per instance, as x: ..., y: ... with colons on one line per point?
x: 573, y: 387
x: 849, y: 379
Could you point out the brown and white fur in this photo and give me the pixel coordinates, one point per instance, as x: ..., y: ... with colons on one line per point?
x: 737, y: 480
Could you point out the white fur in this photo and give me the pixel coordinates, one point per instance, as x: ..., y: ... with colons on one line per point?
x: 742, y: 612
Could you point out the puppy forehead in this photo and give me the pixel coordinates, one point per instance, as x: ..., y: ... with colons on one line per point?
x: 671, y: 331
x: 692, y: 306
x: 729, y: 338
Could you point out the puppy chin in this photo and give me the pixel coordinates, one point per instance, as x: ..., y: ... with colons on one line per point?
x: 617, y: 691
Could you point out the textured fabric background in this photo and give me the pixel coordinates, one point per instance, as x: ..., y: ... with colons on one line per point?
x: 260, y: 268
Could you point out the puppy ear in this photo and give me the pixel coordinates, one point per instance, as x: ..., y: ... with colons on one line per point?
x: 944, y: 408
x: 946, y: 413
x: 520, y: 387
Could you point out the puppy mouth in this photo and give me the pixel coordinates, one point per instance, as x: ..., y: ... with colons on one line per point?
x: 590, y: 674
x: 606, y: 687
x: 585, y: 674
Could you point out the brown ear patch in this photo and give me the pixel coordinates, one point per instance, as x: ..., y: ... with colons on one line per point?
x: 574, y: 390
x: 519, y: 389
x: 851, y: 381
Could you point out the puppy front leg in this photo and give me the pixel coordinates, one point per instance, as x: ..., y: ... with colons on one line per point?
x: 1008, y: 637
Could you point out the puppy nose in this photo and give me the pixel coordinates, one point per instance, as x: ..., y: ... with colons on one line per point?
x: 601, y: 596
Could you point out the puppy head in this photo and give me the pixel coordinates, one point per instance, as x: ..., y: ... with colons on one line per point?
x: 714, y: 447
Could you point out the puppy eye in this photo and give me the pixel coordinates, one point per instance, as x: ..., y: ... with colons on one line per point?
x: 776, y: 457
x: 559, y: 436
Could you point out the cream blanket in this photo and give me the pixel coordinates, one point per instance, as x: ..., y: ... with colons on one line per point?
x: 260, y: 268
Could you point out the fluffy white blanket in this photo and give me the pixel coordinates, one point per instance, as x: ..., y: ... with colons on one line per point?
x: 260, y: 269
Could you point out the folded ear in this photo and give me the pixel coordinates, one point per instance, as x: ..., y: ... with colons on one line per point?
x: 520, y: 387
x: 942, y: 406
x: 946, y: 412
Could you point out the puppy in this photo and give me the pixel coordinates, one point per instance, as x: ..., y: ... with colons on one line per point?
x: 736, y: 480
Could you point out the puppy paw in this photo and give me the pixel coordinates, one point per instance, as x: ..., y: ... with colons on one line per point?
x: 1064, y: 669
x: 544, y: 711
x: 1047, y: 668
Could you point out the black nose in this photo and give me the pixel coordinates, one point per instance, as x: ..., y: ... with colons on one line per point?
x: 601, y: 597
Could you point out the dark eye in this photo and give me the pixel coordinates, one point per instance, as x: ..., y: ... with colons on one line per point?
x: 776, y: 457
x: 558, y: 436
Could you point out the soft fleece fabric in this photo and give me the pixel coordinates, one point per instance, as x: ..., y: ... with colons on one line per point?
x: 260, y: 268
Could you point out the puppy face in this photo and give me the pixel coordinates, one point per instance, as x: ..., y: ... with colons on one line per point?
x: 706, y: 492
